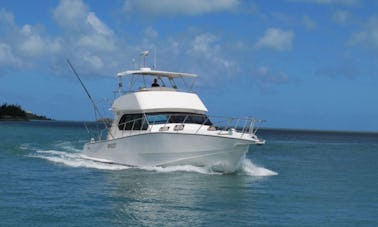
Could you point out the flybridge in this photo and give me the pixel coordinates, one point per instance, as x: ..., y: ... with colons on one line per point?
x: 142, y: 79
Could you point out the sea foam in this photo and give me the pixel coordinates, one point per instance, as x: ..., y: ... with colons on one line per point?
x: 248, y: 168
x: 75, y: 160
x: 179, y: 168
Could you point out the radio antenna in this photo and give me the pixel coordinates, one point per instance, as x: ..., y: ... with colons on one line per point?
x: 155, y: 67
x: 97, y: 111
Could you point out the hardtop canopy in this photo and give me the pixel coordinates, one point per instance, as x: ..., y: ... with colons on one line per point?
x: 148, y: 71
x: 134, y: 75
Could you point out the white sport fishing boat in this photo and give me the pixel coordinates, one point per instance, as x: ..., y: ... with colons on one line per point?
x: 162, y: 125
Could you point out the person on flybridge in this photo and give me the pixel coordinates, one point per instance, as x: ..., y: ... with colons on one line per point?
x: 155, y: 83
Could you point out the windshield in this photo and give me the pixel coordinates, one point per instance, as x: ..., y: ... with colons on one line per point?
x: 162, y: 118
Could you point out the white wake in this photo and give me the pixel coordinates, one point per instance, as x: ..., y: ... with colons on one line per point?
x: 75, y: 160
x: 248, y: 168
x: 180, y: 168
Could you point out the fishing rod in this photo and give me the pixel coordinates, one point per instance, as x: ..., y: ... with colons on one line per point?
x: 97, y: 111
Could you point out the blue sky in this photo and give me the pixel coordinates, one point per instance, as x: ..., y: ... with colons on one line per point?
x: 309, y: 64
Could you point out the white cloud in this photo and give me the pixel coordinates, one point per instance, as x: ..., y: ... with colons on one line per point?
x: 6, y: 17
x: 268, y: 79
x: 83, y: 28
x: 308, y: 22
x: 93, y: 60
x: 341, y: 17
x: 202, y: 44
x: 95, y: 42
x: 174, y: 46
x: 151, y: 33
x: 368, y: 36
x: 263, y: 70
x: 71, y: 14
x: 32, y: 43
x: 7, y: 57
x: 94, y: 48
x: 276, y: 39
x: 85, y: 39
x: 293, y: 20
x: 205, y: 47
x: 182, y: 7
x: 89, y: 42
x: 265, y: 76
x: 22, y: 46
x: 98, y: 25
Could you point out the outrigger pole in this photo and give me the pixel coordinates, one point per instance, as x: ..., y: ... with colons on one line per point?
x: 97, y: 111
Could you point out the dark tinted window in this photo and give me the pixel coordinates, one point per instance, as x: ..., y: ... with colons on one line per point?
x: 132, y: 122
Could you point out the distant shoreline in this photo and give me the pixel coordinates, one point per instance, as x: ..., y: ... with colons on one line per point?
x: 11, y: 118
x: 16, y: 113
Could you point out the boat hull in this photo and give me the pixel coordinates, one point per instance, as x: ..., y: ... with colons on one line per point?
x: 168, y: 149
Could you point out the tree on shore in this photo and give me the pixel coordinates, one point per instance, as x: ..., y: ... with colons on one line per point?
x: 15, y: 111
x: 10, y: 112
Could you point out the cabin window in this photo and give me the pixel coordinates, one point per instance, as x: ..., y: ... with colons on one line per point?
x: 162, y: 118
x: 132, y: 122
x: 157, y: 118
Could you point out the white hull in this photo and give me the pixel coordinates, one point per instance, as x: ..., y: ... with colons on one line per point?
x: 164, y: 149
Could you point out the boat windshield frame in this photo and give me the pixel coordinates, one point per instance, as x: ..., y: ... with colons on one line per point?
x: 142, y: 121
x: 167, y: 80
x: 177, y: 117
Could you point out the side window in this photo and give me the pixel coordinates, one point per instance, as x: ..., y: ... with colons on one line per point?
x: 132, y: 122
x: 124, y: 122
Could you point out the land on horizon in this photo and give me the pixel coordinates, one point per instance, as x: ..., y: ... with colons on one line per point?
x: 16, y: 113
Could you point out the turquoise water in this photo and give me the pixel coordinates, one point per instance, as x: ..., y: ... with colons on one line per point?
x: 299, y: 178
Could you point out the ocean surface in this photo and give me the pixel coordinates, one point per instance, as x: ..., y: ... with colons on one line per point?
x: 299, y: 178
